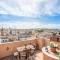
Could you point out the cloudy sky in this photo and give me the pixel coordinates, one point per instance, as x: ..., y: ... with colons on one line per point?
x: 30, y: 13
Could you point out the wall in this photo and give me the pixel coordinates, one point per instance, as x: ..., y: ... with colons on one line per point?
x: 9, y: 48
x: 45, y: 57
x: 41, y: 42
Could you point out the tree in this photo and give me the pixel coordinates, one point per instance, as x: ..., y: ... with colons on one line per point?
x: 39, y: 30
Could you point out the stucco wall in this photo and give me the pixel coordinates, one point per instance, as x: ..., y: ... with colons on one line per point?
x: 45, y: 57
x: 7, y: 49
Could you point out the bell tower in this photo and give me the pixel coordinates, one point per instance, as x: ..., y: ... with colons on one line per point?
x: 2, y: 33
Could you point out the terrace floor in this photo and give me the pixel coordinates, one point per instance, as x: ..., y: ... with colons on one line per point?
x: 37, y: 56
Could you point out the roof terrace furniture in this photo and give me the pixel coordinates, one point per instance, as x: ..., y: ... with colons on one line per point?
x: 28, y: 49
x: 16, y: 55
x: 25, y: 47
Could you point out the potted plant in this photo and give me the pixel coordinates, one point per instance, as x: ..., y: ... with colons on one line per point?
x: 53, y: 46
x: 58, y: 54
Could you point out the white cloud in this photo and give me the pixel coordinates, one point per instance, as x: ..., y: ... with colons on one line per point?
x: 19, y: 7
x: 28, y: 25
x: 21, y: 25
x: 48, y: 7
x: 30, y: 7
x: 53, y: 26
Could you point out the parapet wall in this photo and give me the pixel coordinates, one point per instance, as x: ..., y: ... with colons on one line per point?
x: 9, y: 48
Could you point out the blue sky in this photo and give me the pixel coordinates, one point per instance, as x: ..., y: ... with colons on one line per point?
x: 30, y: 13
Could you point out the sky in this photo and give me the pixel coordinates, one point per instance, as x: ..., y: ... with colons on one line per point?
x: 30, y: 13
